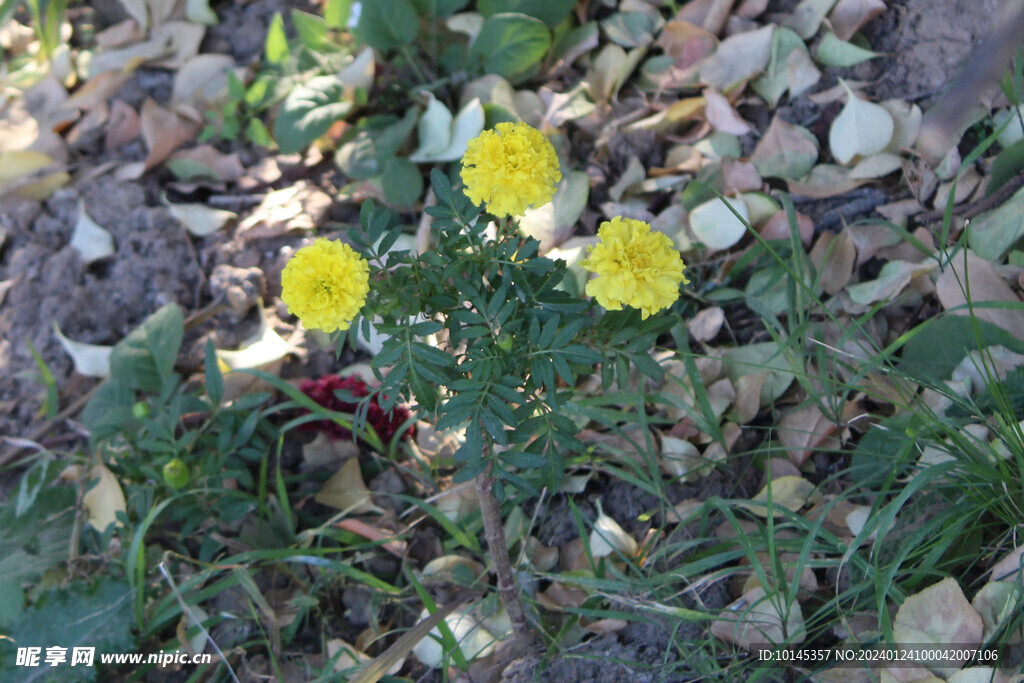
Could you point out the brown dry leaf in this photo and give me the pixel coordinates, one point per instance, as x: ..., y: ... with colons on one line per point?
x: 740, y: 176
x: 777, y: 228
x: 849, y: 15
x: 834, y: 255
x: 870, y: 238
x: 806, y: 18
x: 721, y: 115
x: 97, y: 89
x: 93, y: 120
x: 748, y: 397
x: 558, y: 597
x: 393, y: 545
x: 894, y: 277
x: 347, y: 491
x: 750, y: 9
x: 738, y: 59
x: 123, y: 125
x: 940, y: 614
x: 301, y: 206
x: 1009, y: 566
x: 802, y: 430
x: 984, y: 284
x: 785, y: 151
x: 104, y: 500
x: 122, y: 33
x: 808, y: 580
x: 705, y: 326
x: 45, y: 103
x: 202, y: 82
x: 164, y: 131
x: 756, y: 619
x: 825, y: 180
x: 686, y: 43
x: 323, y: 450
x: 791, y: 493
x: 208, y: 162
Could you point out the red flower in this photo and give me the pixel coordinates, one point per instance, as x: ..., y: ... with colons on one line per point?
x: 386, y: 424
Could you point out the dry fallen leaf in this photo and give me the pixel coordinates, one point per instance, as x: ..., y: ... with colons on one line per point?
x: 834, y: 256
x: 801, y: 431
x: 164, y: 131
x: 861, y: 129
x: 939, y: 615
x: 721, y: 115
x: 738, y: 59
x: 347, y: 491
x: 985, y: 284
x: 301, y: 206
x: 791, y: 493
x: 91, y: 360
x: 849, y: 15
x: 104, y: 500
x: 785, y: 151
x: 757, y: 619
x: 607, y: 537
x: 91, y: 241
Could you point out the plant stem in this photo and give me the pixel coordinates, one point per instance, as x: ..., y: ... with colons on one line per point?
x: 494, y: 534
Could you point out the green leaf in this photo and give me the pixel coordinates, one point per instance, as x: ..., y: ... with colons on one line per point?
x: 835, y: 52
x: 144, y: 360
x: 109, y: 411
x: 1008, y: 164
x: 336, y: 12
x: 994, y: 232
x: 79, y: 615
x: 214, y: 379
x: 257, y: 133
x: 308, y: 112
x: 38, y: 539
x: 403, y: 183
x: 923, y: 357
x: 387, y: 24
x: 551, y: 12
x: 510, y: 45
x: 312, y: 32
x: 276, y: 45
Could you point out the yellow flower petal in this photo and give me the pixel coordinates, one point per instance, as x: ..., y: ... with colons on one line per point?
x: 635, y: 267
x: 510, y: 169
x: 325, y: 284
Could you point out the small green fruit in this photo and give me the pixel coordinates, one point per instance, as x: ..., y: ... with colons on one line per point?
x: 140, y: 410
x: 504, y: 341
x: 176, y: 474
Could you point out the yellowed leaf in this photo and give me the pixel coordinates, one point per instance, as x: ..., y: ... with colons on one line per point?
x: 347, y: 491
x: 104, y: 499
x: 791, y: 493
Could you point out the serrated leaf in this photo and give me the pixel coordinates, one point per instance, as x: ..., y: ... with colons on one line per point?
x: 510, y: 45
x: 308, y: 112
x: 862, y: 128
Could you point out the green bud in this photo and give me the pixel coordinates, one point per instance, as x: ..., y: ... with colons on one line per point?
x: 140, y: 410
x: 504, y: 341
x: 176, y: 474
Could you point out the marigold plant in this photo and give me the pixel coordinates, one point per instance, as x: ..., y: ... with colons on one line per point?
x: 510, y: 169
x: 635, y: 267
x: 325, y: 284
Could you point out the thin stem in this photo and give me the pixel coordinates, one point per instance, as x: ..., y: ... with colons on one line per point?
x: 494, y: 534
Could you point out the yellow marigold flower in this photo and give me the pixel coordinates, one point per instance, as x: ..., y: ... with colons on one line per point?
x: 325, y: 284
x: 510, y: 169
x: 634, y: 266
